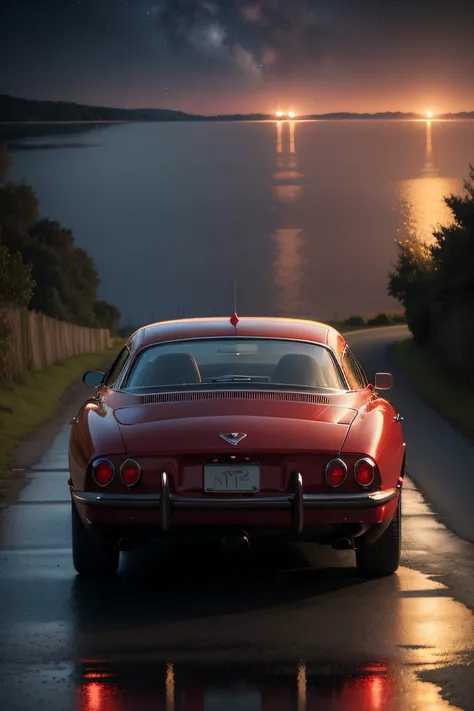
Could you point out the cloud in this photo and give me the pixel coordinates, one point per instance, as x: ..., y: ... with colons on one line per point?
x: 276, y: 39
x: 295, y: 36
x: 251, y: 13
x: 207, y: 37
x: 269, y: 56
x: 246, y: 60
x: 178, y: 18
x: 211, y: 7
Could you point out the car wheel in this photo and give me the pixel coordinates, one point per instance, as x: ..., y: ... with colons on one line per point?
x: 382, y: 557
x: 91, y: 555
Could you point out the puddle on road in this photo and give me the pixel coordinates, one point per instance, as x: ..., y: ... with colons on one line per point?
x: 428, y: 631
x: 376, y: 687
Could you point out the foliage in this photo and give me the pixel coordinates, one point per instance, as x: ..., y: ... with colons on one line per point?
x: 25, y: 407
x: 355, y: 322
x: 16, y: 283
x: 16, y: 288
x: 64, y: 278
x: 107, y: 315
x: 5, y: 163
x: 382, y: 319
x: 14, y: 110
x: 427, y: 276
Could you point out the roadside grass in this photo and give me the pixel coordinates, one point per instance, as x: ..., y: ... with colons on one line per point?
x: 27, y: 405
x: 448, y: 397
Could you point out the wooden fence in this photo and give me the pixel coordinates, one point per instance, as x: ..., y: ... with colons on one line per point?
x: 38, y: 341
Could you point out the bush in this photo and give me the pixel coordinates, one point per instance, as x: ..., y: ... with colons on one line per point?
x: 380, y: 320
x: 16, y: 288
x: 443, y: 273
x: 355, y: 322
x: 398, y: 317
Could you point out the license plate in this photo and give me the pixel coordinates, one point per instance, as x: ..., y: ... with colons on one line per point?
x: 231, y: 478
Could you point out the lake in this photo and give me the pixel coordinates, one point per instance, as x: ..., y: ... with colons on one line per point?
x: 303, y: 215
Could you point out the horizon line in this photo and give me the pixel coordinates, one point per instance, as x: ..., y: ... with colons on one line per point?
x: 273, y: 115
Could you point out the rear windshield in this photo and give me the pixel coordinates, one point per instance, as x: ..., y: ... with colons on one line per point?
x: 215, y: 361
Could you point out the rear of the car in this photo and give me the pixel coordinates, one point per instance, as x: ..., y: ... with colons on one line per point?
x: 235, y: 439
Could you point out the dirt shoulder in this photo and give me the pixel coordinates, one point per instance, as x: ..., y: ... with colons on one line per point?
x: 34, y: 445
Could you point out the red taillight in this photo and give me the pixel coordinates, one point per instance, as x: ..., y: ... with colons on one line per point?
x: 336, y: 472
x: 364, y: 472
x: 130, y: 472
x: 103, y: 472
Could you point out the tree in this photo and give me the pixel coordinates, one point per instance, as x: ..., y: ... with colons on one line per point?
x: 66, y: 277
x: 5, y: 163
x: 442, y: 274
x: 16, y: 282
x: 453, y: 250
x: 63, y: 276
x: 107, y: 315
x: 16, y: 288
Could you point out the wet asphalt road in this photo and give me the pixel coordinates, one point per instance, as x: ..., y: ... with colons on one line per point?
x: 293, y: 629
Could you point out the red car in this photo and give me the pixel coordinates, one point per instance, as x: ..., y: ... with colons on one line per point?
x: 236, y: 429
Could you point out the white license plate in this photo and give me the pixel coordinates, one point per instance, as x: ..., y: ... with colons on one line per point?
x: 231, y: 477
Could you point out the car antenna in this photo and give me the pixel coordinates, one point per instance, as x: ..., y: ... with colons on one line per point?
x: 234, y: 318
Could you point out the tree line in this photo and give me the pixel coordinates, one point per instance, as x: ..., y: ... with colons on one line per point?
x: 435, y: 283
x: 40, y: 265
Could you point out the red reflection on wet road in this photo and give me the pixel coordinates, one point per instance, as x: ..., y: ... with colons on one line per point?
x: 185, y: 688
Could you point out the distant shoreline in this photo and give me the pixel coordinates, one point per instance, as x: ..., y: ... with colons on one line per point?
x: 17, y: 111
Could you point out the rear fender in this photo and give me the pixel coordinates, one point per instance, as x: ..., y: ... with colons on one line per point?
x: 95, y: 433
x: 376, y: 433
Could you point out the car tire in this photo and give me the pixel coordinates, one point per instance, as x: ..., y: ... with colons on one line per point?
x: 92, y: 556
x: 382, y: 557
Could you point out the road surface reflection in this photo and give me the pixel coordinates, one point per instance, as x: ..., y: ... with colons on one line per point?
x: 166, y: 687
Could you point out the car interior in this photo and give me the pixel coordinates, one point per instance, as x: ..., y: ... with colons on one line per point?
x: 297, y: 369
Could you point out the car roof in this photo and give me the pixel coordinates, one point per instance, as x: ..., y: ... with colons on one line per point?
x: 247, y: 326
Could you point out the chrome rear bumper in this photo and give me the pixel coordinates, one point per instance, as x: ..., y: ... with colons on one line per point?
x: 296, y: 500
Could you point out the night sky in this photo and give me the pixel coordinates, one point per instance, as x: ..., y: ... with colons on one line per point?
x: 222, y: 56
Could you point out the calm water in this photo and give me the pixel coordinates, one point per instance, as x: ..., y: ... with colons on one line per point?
x: 302, y: 214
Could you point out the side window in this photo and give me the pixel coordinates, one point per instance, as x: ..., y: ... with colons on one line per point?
x: 363, y: 381
x: 353, y: 370
x: 116, y: 368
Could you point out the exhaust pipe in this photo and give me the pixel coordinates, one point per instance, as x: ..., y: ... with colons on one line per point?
x: 343, y: 544
x: 125, y: 544
x: 235, y: 542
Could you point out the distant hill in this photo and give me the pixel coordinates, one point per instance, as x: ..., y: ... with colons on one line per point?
x: 13, y: 110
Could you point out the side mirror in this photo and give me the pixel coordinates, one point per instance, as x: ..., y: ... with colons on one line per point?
x: 93, y: 378
x: 383, y: 381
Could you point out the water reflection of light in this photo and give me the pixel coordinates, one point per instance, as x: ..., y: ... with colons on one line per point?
x: 279, y: 137
x: 292, y: 138
x: 301, y: 685
x: 287, y: 193
x: 100, y: 696
x: 169, y: 687
x: 288, y: 236
x: 376, y: 693
x: 94, y: 696
x: 422, y: 198
x: 371, y: 690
